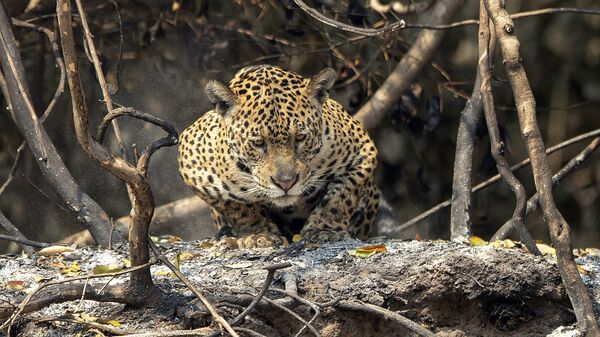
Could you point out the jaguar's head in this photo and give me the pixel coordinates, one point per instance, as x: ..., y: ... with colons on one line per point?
x: 274, y: 129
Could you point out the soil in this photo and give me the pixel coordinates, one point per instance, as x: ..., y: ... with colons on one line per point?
x: 452, y: 289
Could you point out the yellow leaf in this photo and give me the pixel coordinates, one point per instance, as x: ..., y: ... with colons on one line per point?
x: 296, y: 238
x: 114, y: 323
x: 186, y: 256
x: 367, y: 251
x: 163, y: 273
x: 582, y: 271
x: 15, y: 284
x: 127, y: 263
x: 476, y: 241
x: 587, y: 251
x: 54, y: 250
x: 85, y: 317
x: 503, y: 243
x: 106, y: 269
x: 71, y: 270
x: 546, y: 249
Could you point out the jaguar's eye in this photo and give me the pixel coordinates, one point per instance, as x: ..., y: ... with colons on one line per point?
x: 300, y: 137
x: 259, y: 142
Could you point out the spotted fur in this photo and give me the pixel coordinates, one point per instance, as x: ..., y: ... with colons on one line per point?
x: 276, y: 157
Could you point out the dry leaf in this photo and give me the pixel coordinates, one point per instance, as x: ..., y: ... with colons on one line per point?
x: 186, y: 256
x: 546, y: 249
x: 476, y: 241
x: 54, y: 250
x: 71, y: 270
x: 106, y: 269
x: 15, y: 284
x: 503, y: 243
x: 367, y: 251
x: 296, y: 238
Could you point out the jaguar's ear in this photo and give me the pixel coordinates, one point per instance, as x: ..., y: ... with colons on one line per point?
x: 320, y: 84
x: 221, y: 96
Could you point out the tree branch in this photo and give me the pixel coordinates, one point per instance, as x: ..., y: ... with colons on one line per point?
x: 142, y: 198
x: 15, y: 235
x: 495, y: 179
x: 533, y: 202
x: 398, y: 25
x: 52, y: 167
x: 496, y: 143
x: 526, y: 110
x: 373, y: 111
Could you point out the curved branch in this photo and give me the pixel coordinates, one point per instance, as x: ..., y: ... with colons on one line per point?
x: 530, y: 132
x: 496, y: 143
x: 379, y: 311
x: 495, y: 179
x: 398, y: 25
x: 169, y: 140
x: 533, y: 202
x: 373, y: 111
x: 143, y: 199
x: 91, y: 215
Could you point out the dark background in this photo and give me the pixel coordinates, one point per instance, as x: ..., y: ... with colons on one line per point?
x: 167, y: 57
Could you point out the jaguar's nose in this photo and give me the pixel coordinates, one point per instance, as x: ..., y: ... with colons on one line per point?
x: 285, y: 181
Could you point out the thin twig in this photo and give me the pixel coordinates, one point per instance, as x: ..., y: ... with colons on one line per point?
x: 270, y: 275
x: 22, y: 241
x: 8, y: 324
x: 307, y: 324
x: 496, y: 178
x: 201, y: 332
x: 379, y: 311
x: 533, y: 202
x: 398, y: 25
x: 401, y: 24
x: 100, y: 75
x: 71, y: 319
x: 249, y: 332
x: 314, y: 306
x: 215, y: 314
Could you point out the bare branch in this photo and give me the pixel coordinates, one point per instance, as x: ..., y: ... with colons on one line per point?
x: 53, y: 169
x: 379, y: 311
x: 57, y: 93
x: 496, y: 142
x: 349, y: 28
x: 99, y: 74
x: 373, y: 111
x: 533, y: 202
x: 196, y: 292
x: 526, y: 109
x: 63, y: 293
x: 142, y: 163
x: 141, y: 195
x: 495, y: 179
x: 16, y: 236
